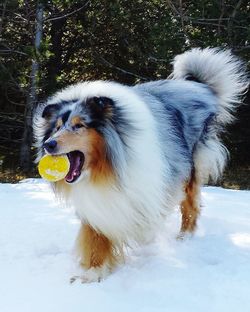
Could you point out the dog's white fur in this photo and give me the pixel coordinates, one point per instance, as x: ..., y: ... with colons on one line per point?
x: 137, y: 205
x: 225, y: 75
x: 221, y: 71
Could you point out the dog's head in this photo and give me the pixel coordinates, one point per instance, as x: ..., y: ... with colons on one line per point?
x: 89, y: 130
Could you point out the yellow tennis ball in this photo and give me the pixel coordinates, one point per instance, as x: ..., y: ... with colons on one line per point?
x: 54, y: 168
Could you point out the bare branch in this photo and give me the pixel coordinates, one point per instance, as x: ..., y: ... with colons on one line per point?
x: 221, y: 15
x: 155, y: 59
x: 236, y: 8
x: 173, y: 8
x: 239, y: 49
x: 12, y: 78
x: 209, y: 19
x: 120, y: 69
x: 68, y: 14
x: 207, y: 23
x: 2, y: 17
x: 9, y: 50
x: 231, y: 20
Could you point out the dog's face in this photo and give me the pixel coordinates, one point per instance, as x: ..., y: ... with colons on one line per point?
x: 76, y: 128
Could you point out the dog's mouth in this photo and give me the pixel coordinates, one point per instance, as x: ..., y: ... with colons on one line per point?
x: 76, y: 159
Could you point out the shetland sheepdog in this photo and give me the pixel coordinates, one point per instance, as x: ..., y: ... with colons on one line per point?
x: 136, y: 152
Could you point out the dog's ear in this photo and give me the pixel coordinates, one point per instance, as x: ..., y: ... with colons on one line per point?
x: 99, y: 106
x: 50, y: 110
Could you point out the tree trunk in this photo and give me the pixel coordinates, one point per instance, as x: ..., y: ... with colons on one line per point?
x: 25, y: 151
x: 54, y: 64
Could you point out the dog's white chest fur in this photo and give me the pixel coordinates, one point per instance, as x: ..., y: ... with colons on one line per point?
x: 122, y: 215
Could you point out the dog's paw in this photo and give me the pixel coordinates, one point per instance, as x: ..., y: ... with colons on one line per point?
x: 93, y: 275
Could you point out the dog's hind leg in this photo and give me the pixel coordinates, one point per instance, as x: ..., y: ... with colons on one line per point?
x: 190, y: 208
x: 97, y: 255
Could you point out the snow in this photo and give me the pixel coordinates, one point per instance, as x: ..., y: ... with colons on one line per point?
x: 209, y: 271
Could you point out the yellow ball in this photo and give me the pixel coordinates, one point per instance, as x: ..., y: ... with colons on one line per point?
x: 54, y: 168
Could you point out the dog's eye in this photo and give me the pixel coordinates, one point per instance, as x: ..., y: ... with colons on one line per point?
x: 77, y: 126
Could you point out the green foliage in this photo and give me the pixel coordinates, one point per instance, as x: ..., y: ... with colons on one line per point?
x: 117, y: 39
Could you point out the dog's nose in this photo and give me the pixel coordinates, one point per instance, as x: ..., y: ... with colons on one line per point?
x: 50, y: 146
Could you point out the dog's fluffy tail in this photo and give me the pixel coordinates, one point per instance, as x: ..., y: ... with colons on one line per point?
x: 225, y: 75
x: 220, y: 70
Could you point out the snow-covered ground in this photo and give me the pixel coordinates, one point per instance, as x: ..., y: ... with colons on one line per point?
x: 207, y: 272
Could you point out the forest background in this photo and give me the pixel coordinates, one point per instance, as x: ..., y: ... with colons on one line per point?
x: 46, y: 45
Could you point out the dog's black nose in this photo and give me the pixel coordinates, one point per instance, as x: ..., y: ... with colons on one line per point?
x: 50, y: 146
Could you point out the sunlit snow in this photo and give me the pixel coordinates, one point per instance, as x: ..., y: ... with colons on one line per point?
x: 207, y: 272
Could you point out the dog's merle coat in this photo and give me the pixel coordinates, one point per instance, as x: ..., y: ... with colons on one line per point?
x: 161, y: 140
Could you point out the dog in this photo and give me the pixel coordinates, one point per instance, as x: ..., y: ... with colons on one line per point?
x: 136, y: 152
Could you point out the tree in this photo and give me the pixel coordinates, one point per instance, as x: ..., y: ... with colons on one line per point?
x: 25, y: 154
x: 106, y: 40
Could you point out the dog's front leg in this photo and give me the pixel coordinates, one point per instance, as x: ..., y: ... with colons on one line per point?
x: 97, y: 255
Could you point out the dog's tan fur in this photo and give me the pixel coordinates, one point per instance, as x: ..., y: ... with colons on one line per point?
x: 92, y: 144
x: 94, y: 249
x: 101, y: 169
x: 77, y: 120
x: 190, y: 205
